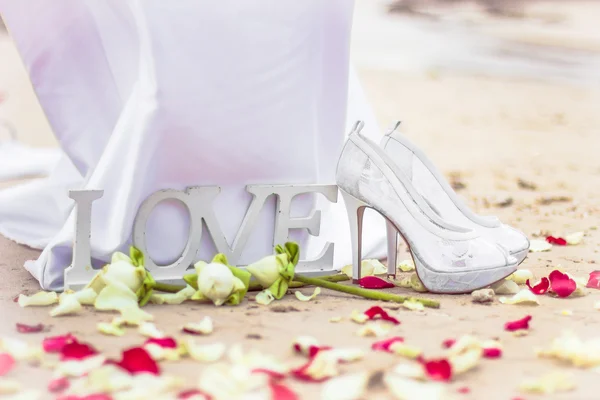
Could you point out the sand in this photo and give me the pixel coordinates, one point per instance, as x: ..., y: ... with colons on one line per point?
x: 489, y: 130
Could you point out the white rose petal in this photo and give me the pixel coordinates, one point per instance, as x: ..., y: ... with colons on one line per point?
x: 413, y: 305
x: 38, y: 299
x: 358, y: 317
x: 375, y: 329
x: 505, y: 287
x: 69, y: 305
x: 525, y: 297
x: 29, y: 394
x: 109, y: 329
x: 216, y: 282
x: 124, y: 272
x: 20, y: 350
x: 521, y: 276
x: 335, y: 319
x: 408, y: 389
x: 77, y: 368
x: 115, y: 296
x: 553, y: 382
x: 303, y: 297
x: 173, y: 298
x: 537, y: 245
x: 9, y: 386
x: 205, y: 352
x: 264, y: 298
x: 574, y: 238
x: 150, y: 330
x: 302, y: 344
x: 344, y: 355
x: 347, y: 387
x: 406, y: 266
x: 159, y: 353
x: 414, y: 371
x: 204, y: 327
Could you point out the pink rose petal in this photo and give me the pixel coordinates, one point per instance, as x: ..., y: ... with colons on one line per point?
x: 192, y: 393
x: 561, y: 284
x: 24, y: 328
x: 55, y: 344
x: 384, y: 345
x: 438, y: 370
x: 165, y: 343
x: 448, y: 343
x: 137, y: 360
x: 492, y: 352
x: 463, y: 390
x: 522, y: 323
x: 376, y: 311
x: 374, y: 282
x: 282, y: 392
x: 58, y: 385
x: 556, y: 240
x: 7, y: 362
x: 97, y: 396
x: 272, y: 374
x: 541, y: 287
x: 594, y: 280
x: 77, y: 351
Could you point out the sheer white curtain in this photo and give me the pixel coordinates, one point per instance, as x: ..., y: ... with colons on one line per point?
x: 147, y: 95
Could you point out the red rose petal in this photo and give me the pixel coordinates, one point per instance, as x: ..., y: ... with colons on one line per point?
x: 594, y: 280
x: 448, y: 343
x: 282, y: 392
x: 556, y: 240
x: 313, y: 350
x: 24, y: 328
x: 561, y: 284
x: 463, y: 390
x: 192, y: 393
x: 384, y: 345
x: 165, y: 343
x: 541, y: 288
x: 492, y: 352
x: 55, y: 344
x: 272, y: 374
x: 374, y: 282
x: 137, y: 360
x: 522, y: 323
x: 58, y: 385
x: 7, y: 362
x: 97, y: 396
x: 378, y: 311
x: 302, y: 374
x: 77, y: 351
x: 438, y: 370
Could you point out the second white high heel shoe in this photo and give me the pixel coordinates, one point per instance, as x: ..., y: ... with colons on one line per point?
x: 448, y: 259
x: 441, y: 198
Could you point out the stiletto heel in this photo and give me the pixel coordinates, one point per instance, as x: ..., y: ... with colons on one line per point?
x: 392, y: 249
x: 355, y: 209
x: 448, y: 258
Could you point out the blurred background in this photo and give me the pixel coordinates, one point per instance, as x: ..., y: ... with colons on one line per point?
x: 496, y: 91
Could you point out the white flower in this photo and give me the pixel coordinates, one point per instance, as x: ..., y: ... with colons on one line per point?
x: 126, y: 273
x: 216, y: 282
x: 266, y: 271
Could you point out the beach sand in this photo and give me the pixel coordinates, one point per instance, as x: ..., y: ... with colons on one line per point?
x: 490, y: 130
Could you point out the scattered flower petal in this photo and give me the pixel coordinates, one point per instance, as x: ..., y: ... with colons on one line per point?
x: 79, y: 367
x: 359, y: 317
x: 7, y: 362
x: 413, y: 305
x: 150, y: 330
x: 466, y: 360
x: 520, y: 276
x: 412, y: 370
x: 55, y: 344
x: 438, y: 370
x: 85, y: 296
x: 9, y: 386
x: 536, y: 246
x: 505, y: 287
x: 303, y: 297
x: 416, y: 284
x: 574, y: 238
x: 408, y: 389
x: 553, y: 382
x: 594, y: 280
x: 570, y: 348
x: 20, y: 350
x: 406, y: 350
x: 335, y: 319
x: 24, y: 328
x: 374, y: 329
x: 377, y: 311
x: 374, y: 282
x: 492, y: 352
x: 69, y: 305
x: 406, y: 265
x: 173, y: 298
x: 448, y: 343
x: 77, y: 351
x: 205, y: 352
x: 58, y: 385
x: 525, y: 297
x: 265, y: 297
x: 306, y: 345
x: 281, y: 392
x: 38, y: 299
x: 165, y: 342
x: 109, y: 329
x: 318, y: 369
x: 556, y: 240
x: 347, y: 387
x: 192, y: 394
x: 386, y: 344
x: 204, y: 327
x: 539, y: 288
x: 519, y: 324
x: 562, y: 284
x: 138, y: 360
x: 367, y: 268
x: 463, y: 390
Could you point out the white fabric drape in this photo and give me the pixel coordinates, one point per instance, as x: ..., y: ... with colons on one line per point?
x: 147, y: 95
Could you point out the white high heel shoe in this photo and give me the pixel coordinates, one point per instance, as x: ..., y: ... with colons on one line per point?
x: 430, y: 183
x: 448, y: 259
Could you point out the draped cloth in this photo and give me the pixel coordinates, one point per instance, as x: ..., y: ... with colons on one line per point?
x: 148, y: 95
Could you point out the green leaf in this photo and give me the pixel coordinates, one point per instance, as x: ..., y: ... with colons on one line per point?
x: 291, y: 249
x: 192, y: 280
x: 137, y: 257
x: 145, y: 291
x: 221, y: 259
x: 279, y: 288
x: 244, y: 276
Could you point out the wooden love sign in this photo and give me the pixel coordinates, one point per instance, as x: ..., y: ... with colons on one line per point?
x: 199, y: 200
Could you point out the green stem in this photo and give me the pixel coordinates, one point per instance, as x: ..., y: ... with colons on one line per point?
x: 365, y: 293
x: 254, y: 286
